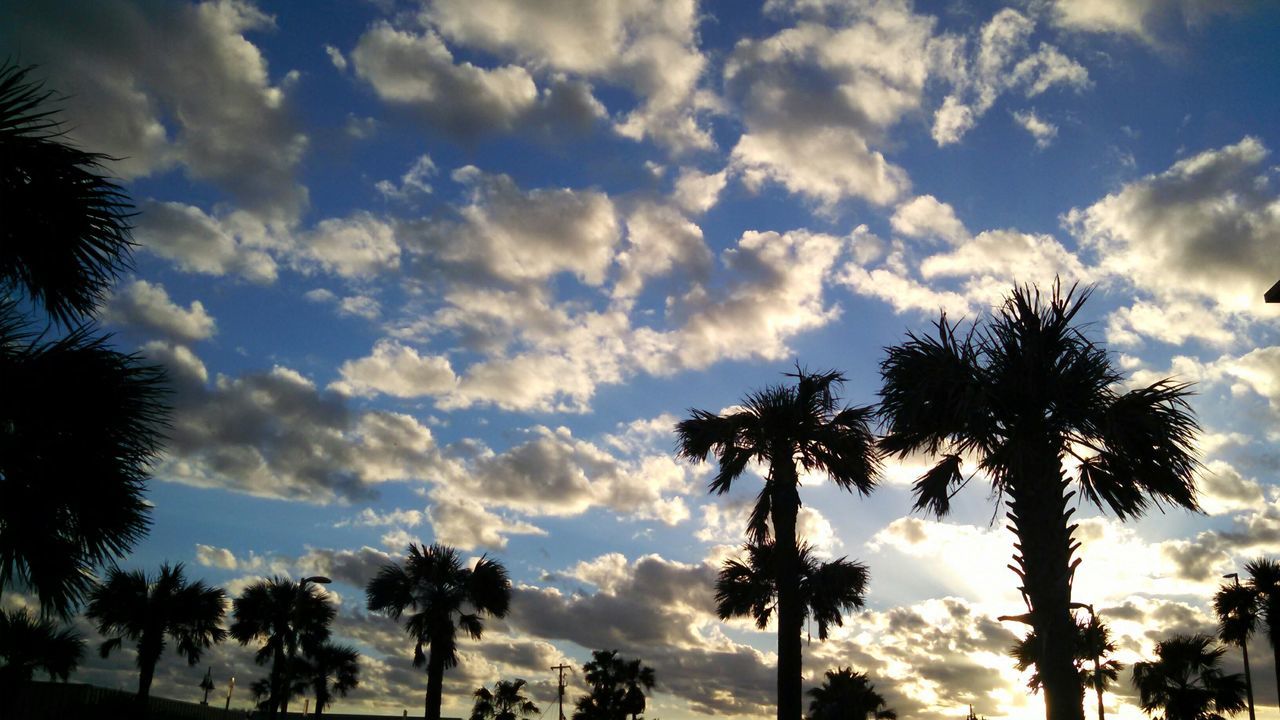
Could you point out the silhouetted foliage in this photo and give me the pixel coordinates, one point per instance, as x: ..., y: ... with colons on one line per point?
x: 1237, y: 609
x: 1264, y: 581
x: 507, y: 701
x: 787, y: 427
x: 287, y: 617
x: 441, y: 596
x: 617, y: 687
x: 131, y: 606
x: 848, y: 695
x: 1020, y: 393
x: 1093, y: 645
x: 329, y: 669
x: 79, y: 422
x: 1185, y: 681
x: 747, y: 587
x: 29, y: 645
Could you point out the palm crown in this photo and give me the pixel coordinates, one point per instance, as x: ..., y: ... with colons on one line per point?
x: 132, y: 606
x: 331, y: 668
x: 440, y: 596
x: 1020, y: 394
x: 848, y: 695
x: 507, y: 701
x: 1186, y: 682
x: 288, y: 616
x: 747, y: 587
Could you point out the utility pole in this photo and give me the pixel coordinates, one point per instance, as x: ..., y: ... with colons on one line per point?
x: 560, y: 684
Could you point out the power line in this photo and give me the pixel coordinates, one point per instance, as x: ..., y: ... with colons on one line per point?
x: 560, y: 684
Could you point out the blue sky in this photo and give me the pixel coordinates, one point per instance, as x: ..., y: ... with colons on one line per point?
x: 450, y: 271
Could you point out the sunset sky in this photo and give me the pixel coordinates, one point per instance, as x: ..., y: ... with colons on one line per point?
x: 451, y: 271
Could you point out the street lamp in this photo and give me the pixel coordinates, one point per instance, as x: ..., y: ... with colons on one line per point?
x: 1244, y: 638
x: 288, y: 666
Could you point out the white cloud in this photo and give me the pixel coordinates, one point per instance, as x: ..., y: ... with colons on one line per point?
x: 211, y: 556
x: 397, y: 370
x: 1041, y: 130
x: 1147, y: 20
x: 696, y: 191
x: 131, y: 98
x: 358, y: 246
x: 827, y: 164
x: 926, y: 216
x: 659, y: 240
x: 361, y: 306
x: 199, y: 243
x: 413, y: 182
x: 1204, y: 228
x: 369, y: 517
x: 1172, y: 321
x: 147, y: 308
x: 464, y: 523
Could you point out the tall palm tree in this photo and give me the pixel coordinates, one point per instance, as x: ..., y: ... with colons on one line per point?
x: 1019, y: 394
x: 29, y: 644
x: 787, y: 427
x: 286, y: 616
x: 1264, y: 581
x: 617, y: 687
x: 1237, y: 608
x: 441, y: 596
x: 748, y: 587
x: 131, y: 606
x: 507, y: 701
x: 79, y: 422
x: 331, y: 668
x: 848, y: 695
x: 1185, y: 681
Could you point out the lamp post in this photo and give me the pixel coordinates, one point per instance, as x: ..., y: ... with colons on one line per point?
x: 231, y: 685
x: 1244, y: 637
x: 287, y: 680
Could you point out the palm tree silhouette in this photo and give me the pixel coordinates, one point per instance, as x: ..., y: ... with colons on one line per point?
x: 80, y: 423
x: 787, y: 427
x: 1264, y: 581
x: 29, y: 644
x: 1185, y: 681
x: 848, y: 695
x: 748, y: 588
x: 1019, y: 394
x: 131, y: 606
x: 1236, y: 606
x: 330, y: 668
x: 1092, y: 643
x: 287, y: 616
x: 507, y: 701
x: 441, y: 596
x: 617, y: 687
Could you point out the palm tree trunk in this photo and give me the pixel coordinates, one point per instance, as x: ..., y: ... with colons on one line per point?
x: 277, y: 677
x: 785, y: 505
x: 1038, y: 510
x: 435, y: 682
x: 1248, y: 677
x: 146, y: 671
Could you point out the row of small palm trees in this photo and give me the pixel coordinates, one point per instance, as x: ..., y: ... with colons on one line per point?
x: 1012, y: 396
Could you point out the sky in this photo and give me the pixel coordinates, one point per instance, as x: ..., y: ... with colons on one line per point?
x: 451, y: 271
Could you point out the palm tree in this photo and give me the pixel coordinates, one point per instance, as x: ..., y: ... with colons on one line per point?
x: 331, y: 668
x: 29, y: 644
x: 787, y: 427
x: 1237, y: 608
x: 131, y: 606
x: 747, y: 588
x: 1092, y: 643
x: 848, y: 695
x: 1019, y: 394
x: 617, y: 687
x: 1264, y: 581
x: 506, y: 702
x: 1185, y: 681
x: 287, y: 616
x: 80, y: 423
x: 441, y: 596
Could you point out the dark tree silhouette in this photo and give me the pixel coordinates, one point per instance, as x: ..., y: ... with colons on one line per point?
x: 329, y: 669
x: 1264, y: 581
x: 286, y: 616
x: 617, y: 687
x: 29, y: 644
x: 131, y: 606
x: 507, y: 701
x: 787, y: 427
x: 1092, y: 644
x: 1236, y: 606
x: 748, y: 587
x: 441, y: 596
x: 848, y: 695
x: 79, y: 422
x: 1019, y: 394
x: 1185, y: 682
